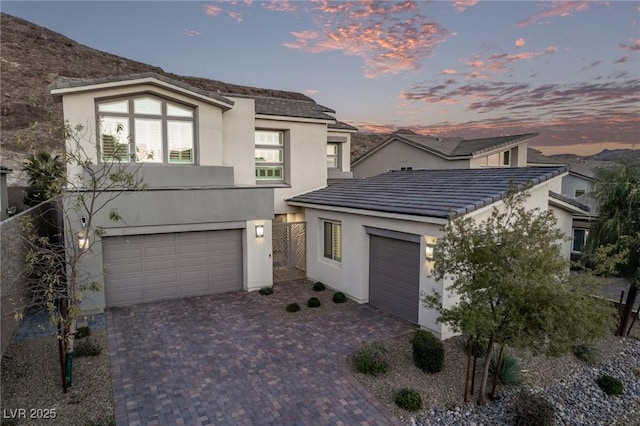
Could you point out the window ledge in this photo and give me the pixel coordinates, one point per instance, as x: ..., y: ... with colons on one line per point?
x: 273, y: 185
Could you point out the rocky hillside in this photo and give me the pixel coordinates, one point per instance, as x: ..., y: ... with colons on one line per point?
x: 33, y: 57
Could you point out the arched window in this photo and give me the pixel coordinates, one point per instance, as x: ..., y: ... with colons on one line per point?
x: 146, y: 129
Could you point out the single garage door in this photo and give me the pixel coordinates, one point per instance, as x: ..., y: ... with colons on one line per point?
x: 394, y: 276
x: 145, y: 268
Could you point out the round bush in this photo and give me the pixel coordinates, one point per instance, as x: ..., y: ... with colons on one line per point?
x: 314, y: 302
x: 293, y: 307
x: 510, y: 369
x: 408, y: 399
x: 532, y: 410
x: 318, y: 286
x: 339, y: 297
x: 371, y: 359
x: 610, y: 385
x: 428, y: 351
x: 265, y: 291
x: 82, y: 332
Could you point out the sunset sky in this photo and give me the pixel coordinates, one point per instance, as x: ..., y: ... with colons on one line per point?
x: 568, y: 70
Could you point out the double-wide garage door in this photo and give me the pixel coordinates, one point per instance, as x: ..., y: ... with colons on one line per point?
x: 145, y: 268
x: 394, y: 276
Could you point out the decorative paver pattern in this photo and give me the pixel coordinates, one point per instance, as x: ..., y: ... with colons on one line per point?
x: 226, y: 360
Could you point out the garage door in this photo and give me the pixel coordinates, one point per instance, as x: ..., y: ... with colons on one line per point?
x: 145, y: 268
x: 394, y: 276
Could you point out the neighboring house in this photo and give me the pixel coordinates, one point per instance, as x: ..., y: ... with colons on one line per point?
x: 576, y: 186
x: 373, y: 238
x: 406, y: 150
x: 218, y: 169
x: 4, y: 192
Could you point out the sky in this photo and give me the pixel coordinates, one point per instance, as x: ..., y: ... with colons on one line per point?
x: 471, y: 68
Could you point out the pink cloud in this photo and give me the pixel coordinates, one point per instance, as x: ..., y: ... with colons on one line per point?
x: 388, y: 37
x: 279, y: 6
x: 212, y: 9
x: 551, y: 49
x: 462, y: 5
x: 236, y: 16
x: 557, y: 8
x: 634, y: 45
x: 449, y: 71
x: 311, y: 91
x: 519, y: 43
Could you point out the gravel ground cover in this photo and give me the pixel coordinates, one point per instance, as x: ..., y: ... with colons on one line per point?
x: 31, y: 381
x: 566, y: 382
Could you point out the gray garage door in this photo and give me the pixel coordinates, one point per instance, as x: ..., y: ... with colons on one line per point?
x: 145, y: 268
x: 394, y: 276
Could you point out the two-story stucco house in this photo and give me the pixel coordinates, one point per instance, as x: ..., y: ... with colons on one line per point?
x: 406, y: 150
x: 218, y: 168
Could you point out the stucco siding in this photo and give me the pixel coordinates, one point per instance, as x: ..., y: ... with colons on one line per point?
x: 572, y: 182
x: 238, y: 127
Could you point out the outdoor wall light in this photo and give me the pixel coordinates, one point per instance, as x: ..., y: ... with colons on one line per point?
x: 83, y: 241
x: 428, y: 251
x: 259, y: 231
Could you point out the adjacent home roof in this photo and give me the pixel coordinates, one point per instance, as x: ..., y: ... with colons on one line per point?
x: 63, y: 83
x: 451, y: 148
x: 290, y: 108
x: 536, y: 158
x: 339, y: 125
x: 567, y: 203
x: 430, y: 193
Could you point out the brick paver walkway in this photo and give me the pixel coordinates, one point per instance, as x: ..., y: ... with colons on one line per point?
x: 226, y: 360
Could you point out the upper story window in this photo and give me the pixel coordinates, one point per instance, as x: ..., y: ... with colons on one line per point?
x: 146, y: 129
x: 333, y: 155
x: 269, y: 156
x: 499, y: 159
x: 579, y: 192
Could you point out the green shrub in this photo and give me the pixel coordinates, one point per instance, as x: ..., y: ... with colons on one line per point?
x: 87, y: 347
x: 428, y: 351
x: 293, y: 307
x: 318, y: 286
x: 339, y: 297
x: 372, y: 359
x: 82, y: 332
x: 585, y: 353
x: 265, y: 291
x: 510, y: 373
x: 408, y: 399
x: 314, y: 302
x: 532, y: 410
x: 610, y: 385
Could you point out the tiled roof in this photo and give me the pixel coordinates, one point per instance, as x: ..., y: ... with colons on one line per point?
x: 291, y: 108
x: 478, y: 146
x: 429, y: 193
x: 568, y: 200
x: 339, y: 125
x: 66, y: 83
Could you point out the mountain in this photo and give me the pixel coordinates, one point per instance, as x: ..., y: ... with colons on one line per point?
x: 32, y: 57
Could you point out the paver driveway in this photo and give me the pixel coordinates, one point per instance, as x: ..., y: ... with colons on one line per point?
x: 228, y: 359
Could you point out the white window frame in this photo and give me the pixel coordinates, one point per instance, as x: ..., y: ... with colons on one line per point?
x: 171, y: 112
x: 263, y: 167
x: 332, y: 240
x: 497, y: 159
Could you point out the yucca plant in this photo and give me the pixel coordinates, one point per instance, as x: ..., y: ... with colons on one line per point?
x: 510, y: 369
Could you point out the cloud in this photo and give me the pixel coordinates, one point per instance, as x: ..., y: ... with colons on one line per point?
x: 551, y: 49
x: 592, y: 65
x: 236, y: 16
x: 190, y: 33
x: 621, y: 60
x: 497, y: 63
x: 462, y: 5
x: 633, y: 46
x: 212, y: 9
x: 311, y: 91
x: 449, y: 71
x: 519, y: 43
x: 279, y: 6
x: 557, y: 8
x: 389, y: 37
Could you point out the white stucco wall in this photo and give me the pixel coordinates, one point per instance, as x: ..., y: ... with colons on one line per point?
x: 572, y: 182
x: 238, y: 128
x: 257, y: 256
x: 565, y: 222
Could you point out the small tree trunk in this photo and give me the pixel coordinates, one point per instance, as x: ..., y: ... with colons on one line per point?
x: 627, y: 311
x: 466, y: 378
x: 496, y: 374
x: 482, y: 392
x: 635, y: 317
x: 62, y: 353
x: 475, y: 363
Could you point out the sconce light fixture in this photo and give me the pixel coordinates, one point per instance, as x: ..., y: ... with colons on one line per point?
x: 83, y: 241
x: 428, y: 251
x: 259, y: 231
